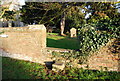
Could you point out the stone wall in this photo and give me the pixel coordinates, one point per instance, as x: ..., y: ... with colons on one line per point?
x: 104, y: 58
x: 27, y: 41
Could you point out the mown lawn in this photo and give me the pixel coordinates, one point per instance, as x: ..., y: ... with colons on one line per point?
x: 18, y: 69
x: 56, y: 41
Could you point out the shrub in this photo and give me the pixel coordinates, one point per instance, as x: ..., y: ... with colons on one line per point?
x: 111, y: 26
x: 90, y: 39
x: 18, y: 69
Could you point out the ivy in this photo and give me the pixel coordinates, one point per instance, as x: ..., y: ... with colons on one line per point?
x: 111, y: 26
x: 90, y: 39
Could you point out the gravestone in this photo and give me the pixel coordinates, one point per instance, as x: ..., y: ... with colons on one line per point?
x: 9, y: 23
x: 5, y: 24
x: 16, y: 23
x: 1, y: 24
x: 21, y: 24
x: 72, y: 32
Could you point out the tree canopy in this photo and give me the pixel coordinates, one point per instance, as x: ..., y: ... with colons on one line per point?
x: 9, y: 6
x: 76, y: 14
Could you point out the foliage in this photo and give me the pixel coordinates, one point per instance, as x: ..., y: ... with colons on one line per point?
x: 6, y: 14
x: 100, y: 10
x: 9, y: 15
x: 111, y: 26
x: 76, y: 18
x: 9, y: 7
x: 51, y: 14
x: 105, y: 16
x: 41, y: 12
x: 91, y: 40
x: 75, y: 21
x: 1, y: 32
x: 70, y: 57
x: 18, y: 69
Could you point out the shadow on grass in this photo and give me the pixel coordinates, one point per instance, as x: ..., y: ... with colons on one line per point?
x: 19, y: 69
x: 13, y: 69
x: 65, y: 43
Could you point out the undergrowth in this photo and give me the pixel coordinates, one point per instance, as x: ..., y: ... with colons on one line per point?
x: 19, y: 69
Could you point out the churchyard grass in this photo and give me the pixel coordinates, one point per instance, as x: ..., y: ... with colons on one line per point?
x: 19, y: 69
x: 65, y: 42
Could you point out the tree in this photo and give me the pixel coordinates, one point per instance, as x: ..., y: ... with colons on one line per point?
x: 75, y: 19
x: 42, y: 13
x: 101, y: 10
x: 105, y: 16
x: 49, y: 13
x: 62, y: 24
x: 10, y: 5
x: 73, y: 13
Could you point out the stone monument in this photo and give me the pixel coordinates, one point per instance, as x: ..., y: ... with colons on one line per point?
x: 72, y: 32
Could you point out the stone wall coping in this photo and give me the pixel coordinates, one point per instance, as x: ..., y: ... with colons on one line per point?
x: 37, y: 27
x: 26, y: 28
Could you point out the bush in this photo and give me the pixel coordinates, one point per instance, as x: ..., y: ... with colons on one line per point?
x: 111, y: 26
x: 90, y: 39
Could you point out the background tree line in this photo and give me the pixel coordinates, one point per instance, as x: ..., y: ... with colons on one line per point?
x: 65, y: 15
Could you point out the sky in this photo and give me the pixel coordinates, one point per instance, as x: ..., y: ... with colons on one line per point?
x: 20, y: 2
x: 15, y: 5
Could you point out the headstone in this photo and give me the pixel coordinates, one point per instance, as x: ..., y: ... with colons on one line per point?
x: 72, y: 32
x: 21, y: 24
x: 16, y: 23
x: 9, y: 23
x: 5, y: 24
x: 1, y: 24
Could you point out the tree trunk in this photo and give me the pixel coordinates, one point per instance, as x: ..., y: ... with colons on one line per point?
x: 62, y: 24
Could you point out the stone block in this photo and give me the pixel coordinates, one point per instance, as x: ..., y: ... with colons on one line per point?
x: 9, y: 23
x: 73, y: 32
x: 1, y: 24
x: 5, y: 23
x: 58, y: 66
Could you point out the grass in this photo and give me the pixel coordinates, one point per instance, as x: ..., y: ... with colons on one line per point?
x: 56, y: 41
x: 19, y: 69
x: 1, y: 32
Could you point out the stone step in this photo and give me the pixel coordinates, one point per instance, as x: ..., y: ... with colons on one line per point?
x: 55, y: 65
x: 58, y: 65
x: 50, y: 49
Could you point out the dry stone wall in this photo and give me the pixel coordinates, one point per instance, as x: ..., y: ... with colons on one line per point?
x: 105, y: 59
x: 27, y: 41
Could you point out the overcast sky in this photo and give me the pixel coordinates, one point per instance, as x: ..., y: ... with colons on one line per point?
x: 21, y: 2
